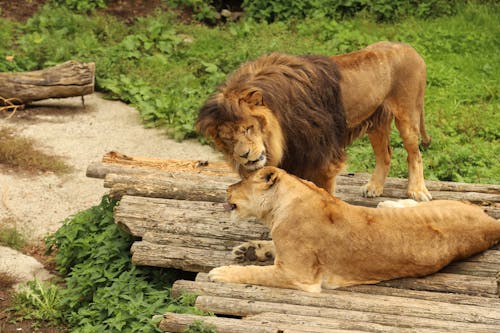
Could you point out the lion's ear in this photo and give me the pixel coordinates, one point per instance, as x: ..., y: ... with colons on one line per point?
x: 270, y: 177
x: 253, y: 97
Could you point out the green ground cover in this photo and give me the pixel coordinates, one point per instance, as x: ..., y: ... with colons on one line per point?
x: 167, y: 68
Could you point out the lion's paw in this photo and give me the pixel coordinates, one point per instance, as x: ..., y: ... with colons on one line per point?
x: 222, y: 274
x: 254, y: 251
x: 420, y: 195
x: 371, y: 190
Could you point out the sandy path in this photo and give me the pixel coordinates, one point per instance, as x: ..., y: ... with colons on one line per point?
x: 38, y: 203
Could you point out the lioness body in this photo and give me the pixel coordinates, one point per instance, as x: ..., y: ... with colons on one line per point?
x: 322, y: 241
x: 300, y: 112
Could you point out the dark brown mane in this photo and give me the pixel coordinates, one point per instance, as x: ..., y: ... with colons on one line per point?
x: 303, y: 93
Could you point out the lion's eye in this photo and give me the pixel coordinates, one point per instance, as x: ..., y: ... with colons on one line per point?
x: 249, y: 130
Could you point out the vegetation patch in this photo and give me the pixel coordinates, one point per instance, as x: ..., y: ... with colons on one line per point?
x: 166, y: 68
x: 10, y: 237
x: 21, y: 153
x: 102, y: 290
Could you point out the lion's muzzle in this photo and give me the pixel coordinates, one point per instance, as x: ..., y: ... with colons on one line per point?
x: 257, y: 163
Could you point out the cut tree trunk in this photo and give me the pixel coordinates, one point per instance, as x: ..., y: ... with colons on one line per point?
x: 65, y: 80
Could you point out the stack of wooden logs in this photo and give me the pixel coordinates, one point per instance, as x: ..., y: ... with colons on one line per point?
x: 175, y: 210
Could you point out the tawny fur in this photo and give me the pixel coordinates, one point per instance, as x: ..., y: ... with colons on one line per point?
x: 300, y: 112
x: 321, y: 241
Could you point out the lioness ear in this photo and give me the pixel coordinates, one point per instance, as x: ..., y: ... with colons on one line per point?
x: 270, y: 178
x: 253, y: 97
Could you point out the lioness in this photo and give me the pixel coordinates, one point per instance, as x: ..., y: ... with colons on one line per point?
x: 300, y: 112
x: 321, y: 241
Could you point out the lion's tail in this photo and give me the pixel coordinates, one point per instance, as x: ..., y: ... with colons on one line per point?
x: 426, y: 138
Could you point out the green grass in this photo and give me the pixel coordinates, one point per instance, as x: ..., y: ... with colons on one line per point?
x: 167, y: 69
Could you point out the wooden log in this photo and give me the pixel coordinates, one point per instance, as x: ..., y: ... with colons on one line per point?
x: 65, y: 80
x: 176, y: 322
x: 209, y: 188
x: 327, y: 323
x: 114, y: 162
x: 346, y: 300
x: 395, y: 323
x: 407, y: 293
x: 454, y: 283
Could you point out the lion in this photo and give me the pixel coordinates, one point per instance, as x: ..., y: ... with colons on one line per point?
x: 300, y: 112
x: 323, y: 242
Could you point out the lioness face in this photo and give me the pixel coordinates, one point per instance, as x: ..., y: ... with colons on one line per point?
x: 244, y: 142
x: 253, y: 196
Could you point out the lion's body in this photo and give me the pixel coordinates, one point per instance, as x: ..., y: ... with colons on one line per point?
x: 304, y: 110
x: 321, y: 241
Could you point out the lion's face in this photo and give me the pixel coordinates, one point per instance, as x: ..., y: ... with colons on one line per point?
x: 244, y: 142
x: 254, y: 195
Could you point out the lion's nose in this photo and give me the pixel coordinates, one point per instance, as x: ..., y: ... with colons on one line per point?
x: 245, y: 155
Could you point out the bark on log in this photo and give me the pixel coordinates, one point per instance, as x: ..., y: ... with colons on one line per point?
x: 65, y: 80
x: 345, y: 300
x: 446, y: 297
x: 334, y: 322
x: 201, y: 187
x: 114, y: 162
x: 177, y: 323
x: 396, y: 323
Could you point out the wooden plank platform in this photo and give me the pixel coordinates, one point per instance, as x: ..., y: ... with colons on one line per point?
x: 175, y: 210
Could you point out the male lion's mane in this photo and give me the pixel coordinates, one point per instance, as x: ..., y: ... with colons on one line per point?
x: 303, y: 94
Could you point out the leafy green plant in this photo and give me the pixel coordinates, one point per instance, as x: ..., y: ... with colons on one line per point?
x: 104, y: 291
x: 81, y: 5
x: 40, y: 301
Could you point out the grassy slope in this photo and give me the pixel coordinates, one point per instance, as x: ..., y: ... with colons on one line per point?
x: 167, y: 69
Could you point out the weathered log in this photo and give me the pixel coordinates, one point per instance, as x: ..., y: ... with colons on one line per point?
x: 407, y: 293
x: 334, y: 322
x: 208, y: 188
x: 396, y: 323
x: 139, y: 215
x: 65, y: 80
x: 118, y: 163
x: 345, y: 300
x: 177, y: 323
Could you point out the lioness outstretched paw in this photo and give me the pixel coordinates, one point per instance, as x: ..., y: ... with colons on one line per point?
x: 254, y: 251
x: 224, y: 274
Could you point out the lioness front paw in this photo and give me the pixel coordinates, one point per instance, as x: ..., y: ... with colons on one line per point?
x: 371, y: 190
x: 222, y: 274
x: 254, y: 251
x: 420, y: 195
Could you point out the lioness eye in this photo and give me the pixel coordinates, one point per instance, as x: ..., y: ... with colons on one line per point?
x: 249, y: 130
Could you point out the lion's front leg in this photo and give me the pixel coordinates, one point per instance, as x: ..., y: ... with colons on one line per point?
x: 257, y: 250
x: 270, y: 276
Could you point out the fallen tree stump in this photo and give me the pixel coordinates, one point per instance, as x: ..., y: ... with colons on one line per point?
x: 174, y: 210
x: 65, y: 80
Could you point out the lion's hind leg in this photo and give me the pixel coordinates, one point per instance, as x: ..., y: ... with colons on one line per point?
x: 257, y: 250
x: 271, y: 276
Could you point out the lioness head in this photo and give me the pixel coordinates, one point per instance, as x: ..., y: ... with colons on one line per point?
x: 254, y: 195
x: 243, y: 128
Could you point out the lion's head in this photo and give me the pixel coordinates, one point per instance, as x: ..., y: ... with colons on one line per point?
x: 254, y: 195
x: 278, y: 110
x: 257, y: 194
x: 244, y: 129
